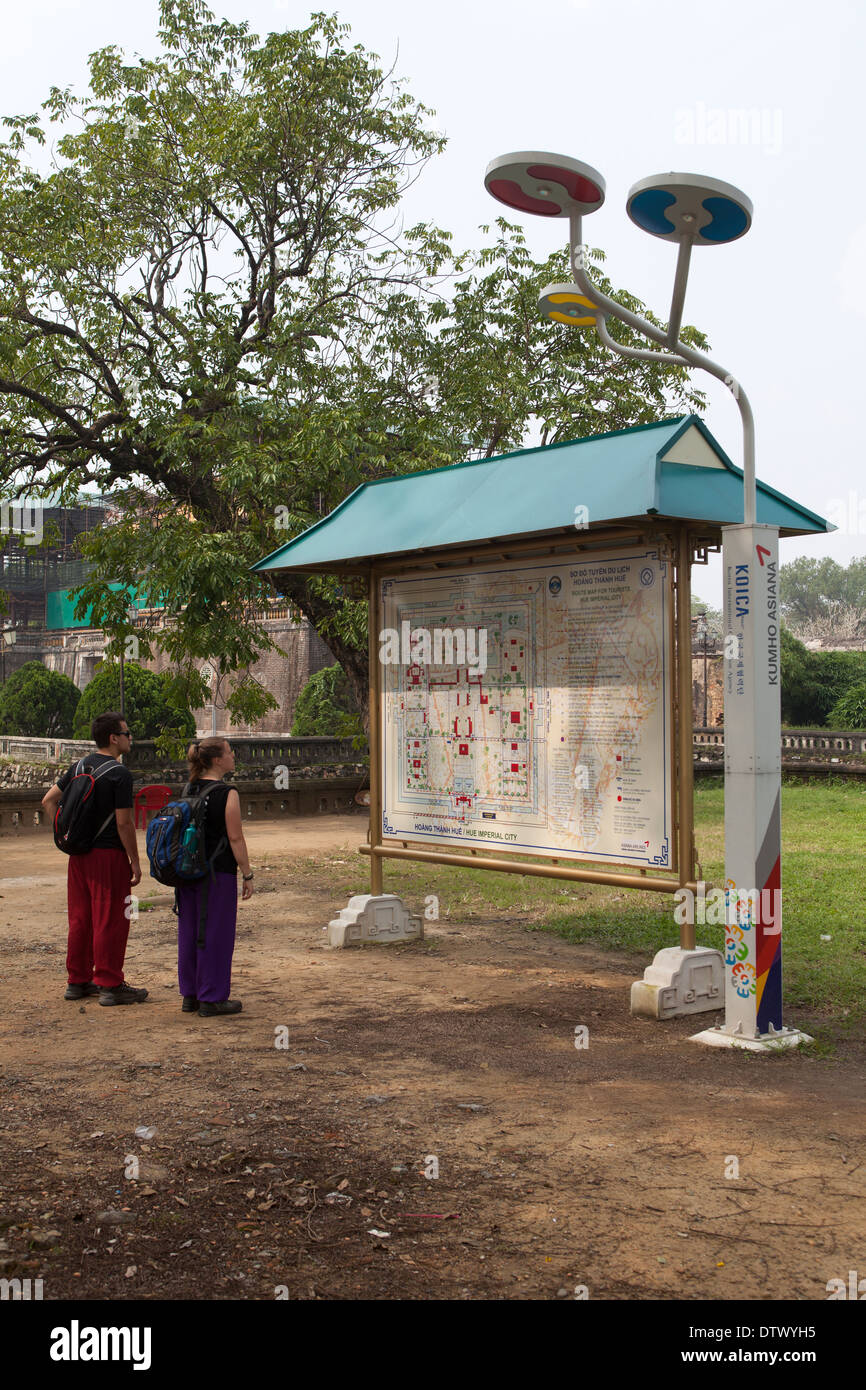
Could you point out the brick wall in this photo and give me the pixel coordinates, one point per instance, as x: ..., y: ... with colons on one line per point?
x: 78, y: 654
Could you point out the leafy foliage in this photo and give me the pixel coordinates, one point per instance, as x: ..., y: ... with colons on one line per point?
x: 38, y: 702
x: 326, y: 706
x: 813, y: 682
x: 712, y: 617
x: 206, y: 311
x: 812, y: 591
x: 147, y: 703
x: 849, y: 712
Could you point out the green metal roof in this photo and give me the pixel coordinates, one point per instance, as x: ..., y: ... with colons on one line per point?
x: 674, y: 468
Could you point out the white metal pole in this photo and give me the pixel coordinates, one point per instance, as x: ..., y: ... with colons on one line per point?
x: 753, y: 733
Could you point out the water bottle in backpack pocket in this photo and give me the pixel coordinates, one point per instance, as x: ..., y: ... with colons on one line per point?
x: 176, y: 840
x: 176, y: 846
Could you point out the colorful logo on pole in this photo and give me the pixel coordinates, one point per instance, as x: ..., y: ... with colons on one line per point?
x: 676, y: 206
x: 565, y: 304
x: 550, y: 185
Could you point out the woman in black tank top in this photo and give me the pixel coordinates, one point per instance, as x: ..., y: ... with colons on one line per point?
x: 204, y: 961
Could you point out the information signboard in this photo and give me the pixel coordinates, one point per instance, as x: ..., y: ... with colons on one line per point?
x: 527, y: 706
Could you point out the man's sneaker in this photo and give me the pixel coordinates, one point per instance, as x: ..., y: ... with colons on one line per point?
x: 122, y: 994
x: 190, y: 1004
x: 225, y: 1006
x: 80, y: 991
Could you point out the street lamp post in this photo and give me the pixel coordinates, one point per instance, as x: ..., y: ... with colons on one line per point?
x: 701, y: 630
x: 9, y: 638
x: 706, y: 691
x: 210, y: 676
x: 693, y: 210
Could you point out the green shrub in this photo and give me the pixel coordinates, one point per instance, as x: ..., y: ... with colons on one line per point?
x: 849, y: 712
x: 38, y: 703
x: 814, y: 682
x: 326, y: 707
x: 146, y: 707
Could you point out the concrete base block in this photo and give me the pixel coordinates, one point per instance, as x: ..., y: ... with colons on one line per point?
x: 384, y: 918
x: 763, y: 1042
x: 680, y: 982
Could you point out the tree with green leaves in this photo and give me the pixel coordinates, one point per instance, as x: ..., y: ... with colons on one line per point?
x: 326, y: 706
x: 208, y: 311
x: 821, y: 598
x: 38, y: 703
x: 800, y: 692
x: 150, y: 703
x: 712, y: 619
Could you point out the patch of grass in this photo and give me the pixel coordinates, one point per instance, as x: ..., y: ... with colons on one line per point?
x: 823, y: 894
x: 821, y: 1048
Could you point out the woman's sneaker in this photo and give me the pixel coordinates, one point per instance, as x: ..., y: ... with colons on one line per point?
x: 225, y: 1006
x: 122, y: 994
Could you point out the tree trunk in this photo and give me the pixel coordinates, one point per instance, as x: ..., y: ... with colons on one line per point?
x: 318, y: 612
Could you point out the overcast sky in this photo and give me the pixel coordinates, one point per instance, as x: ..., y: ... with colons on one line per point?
x: 766, y: 94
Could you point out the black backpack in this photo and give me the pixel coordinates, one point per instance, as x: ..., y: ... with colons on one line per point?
x: 75, y: 827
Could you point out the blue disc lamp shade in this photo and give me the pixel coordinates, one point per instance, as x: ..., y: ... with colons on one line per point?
x: 673, y: 206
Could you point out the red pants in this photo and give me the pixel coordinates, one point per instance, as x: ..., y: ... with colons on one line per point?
x: 98, y: 891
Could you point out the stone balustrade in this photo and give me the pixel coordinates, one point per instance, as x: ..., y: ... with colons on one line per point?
x: 805, y: 752
x: 274, y: 777
x: 801, y: 740
x: 323, y: 775
x: 255, y: 752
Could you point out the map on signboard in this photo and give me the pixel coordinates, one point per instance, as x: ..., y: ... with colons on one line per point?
x: 527, y: 707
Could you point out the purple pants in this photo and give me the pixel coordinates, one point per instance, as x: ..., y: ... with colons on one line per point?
x: 206, y: 973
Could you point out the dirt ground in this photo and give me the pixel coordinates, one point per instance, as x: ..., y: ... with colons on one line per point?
x: 307, y: 1170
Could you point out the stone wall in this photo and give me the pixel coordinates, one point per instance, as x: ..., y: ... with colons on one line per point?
x: 30, y: 776
x: 79, y: 653
x: 76, y: 654
x: 274, y: 777
x: 21, y: 809
x: 284, y: 675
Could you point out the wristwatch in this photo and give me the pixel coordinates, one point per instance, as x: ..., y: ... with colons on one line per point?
x: 246, y: 877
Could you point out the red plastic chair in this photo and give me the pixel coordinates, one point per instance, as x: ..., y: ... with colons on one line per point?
x: 150, y: 799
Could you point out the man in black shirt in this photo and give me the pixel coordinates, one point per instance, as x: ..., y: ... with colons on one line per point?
x: 99, y: 882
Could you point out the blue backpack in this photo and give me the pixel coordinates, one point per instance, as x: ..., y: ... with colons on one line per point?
x: 176, y: 848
